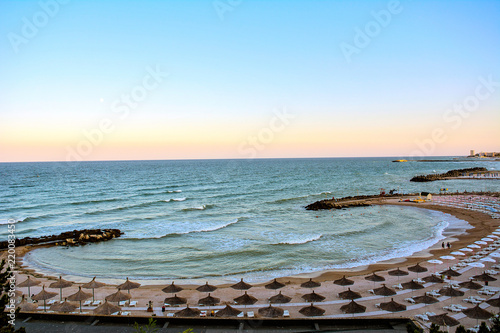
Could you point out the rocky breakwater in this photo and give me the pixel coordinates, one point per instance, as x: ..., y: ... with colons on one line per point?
x: 447, y: 175
x: 347, y: 202
x: 69, y: 238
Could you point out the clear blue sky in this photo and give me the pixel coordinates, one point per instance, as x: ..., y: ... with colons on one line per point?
x: 232, y: 64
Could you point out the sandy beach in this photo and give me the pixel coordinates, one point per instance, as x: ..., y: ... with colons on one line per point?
x: 483, y: 225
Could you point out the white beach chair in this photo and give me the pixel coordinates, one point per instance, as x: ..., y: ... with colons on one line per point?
x: 87, y: 303
x: 51, y: 302
x: 286, y: 313
x: 132, y: 303
x: 250, y: 314
x: 377, y: 305
x: 422, y: 317
x: 398, y: 286
x: 122, y: 303
x: 96, y: 303
x: 117, y: 313
x: 125, y: 313
x: 203, y: 313
x: 410, y: 300
x: 170, y: 314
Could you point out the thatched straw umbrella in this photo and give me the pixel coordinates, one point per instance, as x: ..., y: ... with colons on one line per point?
x: 245, y: 299
x: 344, y: 282
x: 175, y: 300
x: 374, y: 278
x: 79, y: 296
x: 384, y: 291
x: 392, y: 306
x: 60, y: 284
x: 313, y: 297
x: 417, y: 269
x: 206, y: 288
x: 451, y: 292
x: 228, y: 311
x: 450, y: 272
x: 353, y: 308
x: 312, y: 311
x: 209, y: 301
x: 172, y: 288
x: 494, y: 302
x: 107, y: 309
x: 29, y: 282
x: 279, y: 299
x: 188, y: 312
x: 127, y: 285
x: 398, y: 272
x: 274, y: 285
x: 241, y: 285
x: 477, y: 313
x: 63, y: 307
x: 349, y: 294
x: 443, y: 320
x: 433, y: 279
x: 26, y: 306
x: 412, y: 285
x: 271, y: 312
x: 43, y: 296
x: 93, y: 284
x: 310, y: 284
x: 484, y: 277
x: 470, y: 285
x: 118, y: 297
x: 426, y: 299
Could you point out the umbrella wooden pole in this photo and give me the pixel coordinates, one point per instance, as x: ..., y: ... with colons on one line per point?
x: 60, y: 294
x: 93, y: 300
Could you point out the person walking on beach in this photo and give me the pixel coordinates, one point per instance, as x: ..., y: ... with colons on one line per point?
x: 442, y: 245
x: 448, y: 245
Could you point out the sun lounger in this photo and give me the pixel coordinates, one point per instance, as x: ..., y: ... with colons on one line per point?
x: 132, y: 303
x: 485, y: 292
x: 51, y: 302
x: 241, y: 314
x: 410, y: 300
x: 286, y: 313
x: 250, y: 314
x: 459, y: 306
x: 422, y: 317
x: 419, y: 280
x: 170, y: 314
x: 371, y: 291
x: 377, y: 305
x: 122, y: 303
x: 203, y: 313
x: 491, y: 272
x: 477, y: 298
x: 96, y: 303
x: 430, y: 314
x: 87, y: 303
x: 117, y: 313
x: 398, y: 286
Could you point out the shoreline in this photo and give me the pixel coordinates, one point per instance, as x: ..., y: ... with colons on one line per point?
x: 457, y: 238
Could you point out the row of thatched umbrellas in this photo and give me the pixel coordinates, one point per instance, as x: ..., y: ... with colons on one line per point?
x: 279, y: 298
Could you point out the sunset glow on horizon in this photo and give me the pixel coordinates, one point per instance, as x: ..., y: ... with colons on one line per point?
x: 130, y: 80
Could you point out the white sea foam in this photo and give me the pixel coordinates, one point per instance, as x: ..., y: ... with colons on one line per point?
x: 175, y: 191
x: 301, y: 239
x: 179, y: 199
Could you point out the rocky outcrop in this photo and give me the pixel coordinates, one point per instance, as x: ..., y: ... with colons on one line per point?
x: 69, y: 238
x: 447, y: 175
x: 329, y: 204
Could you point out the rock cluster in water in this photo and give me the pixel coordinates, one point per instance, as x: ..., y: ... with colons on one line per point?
x: 69, y: 238
x: 446, y: 175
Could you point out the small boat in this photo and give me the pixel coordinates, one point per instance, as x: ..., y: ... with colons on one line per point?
x: 400, y: 161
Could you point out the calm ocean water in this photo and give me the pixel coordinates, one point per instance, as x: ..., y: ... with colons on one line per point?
x: 222, y: 219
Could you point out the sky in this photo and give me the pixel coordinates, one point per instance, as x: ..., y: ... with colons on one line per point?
x: 137, y: 80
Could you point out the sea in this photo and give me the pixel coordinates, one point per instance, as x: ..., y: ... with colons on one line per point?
x: 222, y: 220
